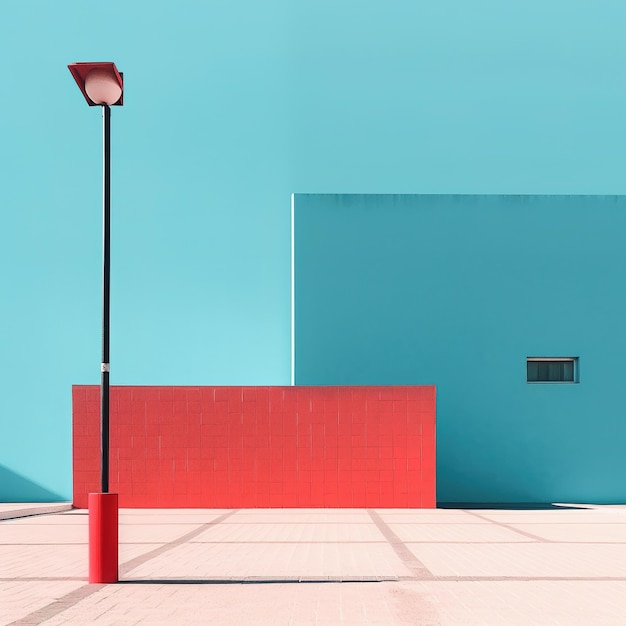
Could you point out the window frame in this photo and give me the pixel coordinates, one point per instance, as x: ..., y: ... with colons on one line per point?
x: 574, y: 360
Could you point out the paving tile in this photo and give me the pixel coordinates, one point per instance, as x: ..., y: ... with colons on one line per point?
x: 305, y: 532
x: 301, y: 516
x: 526, y: 602
x: 16, y: 533
x: 443, y: 517
x: 482, y: 533
x: 575, y: 516
x: 526, y: 559
x: 273, y: 561
x: 167, y: 518
x: 28, y: 561
x: 590, y: 533
x: 490, y: 567
x: 154, y: 533
x: 299, y: 604
x: 19, y: 598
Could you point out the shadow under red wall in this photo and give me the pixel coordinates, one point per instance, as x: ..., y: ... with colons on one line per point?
x: 249, y: 447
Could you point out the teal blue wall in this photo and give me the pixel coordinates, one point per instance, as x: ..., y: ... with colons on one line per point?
x: 457, y: 291
x: 230, y: 106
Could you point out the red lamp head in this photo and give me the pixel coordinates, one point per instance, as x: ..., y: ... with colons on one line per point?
x: 100, y: 83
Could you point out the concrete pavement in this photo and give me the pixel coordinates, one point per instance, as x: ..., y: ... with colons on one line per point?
x: 321, y: 566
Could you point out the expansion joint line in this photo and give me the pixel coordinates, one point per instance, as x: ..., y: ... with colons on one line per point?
x: 416, y: 567
x: 77, y: 595
x: 140, y: 560
x: 510, y: 527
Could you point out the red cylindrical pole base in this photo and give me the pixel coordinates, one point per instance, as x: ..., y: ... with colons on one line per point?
x: 103, y: 538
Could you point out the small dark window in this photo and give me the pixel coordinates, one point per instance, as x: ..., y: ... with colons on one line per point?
x: 552, y: 370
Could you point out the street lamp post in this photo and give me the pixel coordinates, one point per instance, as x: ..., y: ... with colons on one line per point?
x: 102, y: 85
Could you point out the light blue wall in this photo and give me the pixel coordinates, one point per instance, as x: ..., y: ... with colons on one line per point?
x: 457, y: 291
x: 230, y: 106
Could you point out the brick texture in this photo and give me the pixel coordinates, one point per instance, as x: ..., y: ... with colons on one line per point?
x: 247, y: 447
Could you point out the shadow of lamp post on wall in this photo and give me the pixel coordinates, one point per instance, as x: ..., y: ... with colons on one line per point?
x: 102, y: 85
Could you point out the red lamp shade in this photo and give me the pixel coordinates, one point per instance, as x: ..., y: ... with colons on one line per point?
x: 100, y: 83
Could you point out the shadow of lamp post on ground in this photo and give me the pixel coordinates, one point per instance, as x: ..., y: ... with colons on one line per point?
x: 102, y: 85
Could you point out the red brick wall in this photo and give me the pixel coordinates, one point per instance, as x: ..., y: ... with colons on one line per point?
x: 239, y: 447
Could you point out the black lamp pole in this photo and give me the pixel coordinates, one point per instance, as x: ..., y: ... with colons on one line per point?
x: 106, y: 288
x: 102, y: 85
